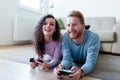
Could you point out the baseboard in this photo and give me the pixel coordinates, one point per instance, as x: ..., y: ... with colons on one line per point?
x: 110, y: 53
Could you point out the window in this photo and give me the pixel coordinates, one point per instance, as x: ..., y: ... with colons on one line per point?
x: 32, y: 5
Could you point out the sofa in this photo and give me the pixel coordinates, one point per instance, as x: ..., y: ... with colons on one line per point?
x: 107, y: 30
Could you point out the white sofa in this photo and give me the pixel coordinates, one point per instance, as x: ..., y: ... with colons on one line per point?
x: 108, y: 31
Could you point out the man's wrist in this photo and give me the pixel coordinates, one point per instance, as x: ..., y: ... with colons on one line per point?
x: 82, y: 73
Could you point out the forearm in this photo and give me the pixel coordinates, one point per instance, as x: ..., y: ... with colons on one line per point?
x: 53, y: 62
x: 92, y: 55
x: 67, y: 64
x: 87, y: 68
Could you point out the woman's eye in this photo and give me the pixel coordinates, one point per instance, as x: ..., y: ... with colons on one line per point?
x: 51, y: 24
x: 45, y: 23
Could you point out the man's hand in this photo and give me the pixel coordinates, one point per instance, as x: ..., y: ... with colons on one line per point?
x: 76, y: 75
x: 56, y: 72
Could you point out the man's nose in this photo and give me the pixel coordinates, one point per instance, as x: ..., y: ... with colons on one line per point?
x: 70, y: 28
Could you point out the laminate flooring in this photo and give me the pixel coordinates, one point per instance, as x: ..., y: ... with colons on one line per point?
x: 107, y: 67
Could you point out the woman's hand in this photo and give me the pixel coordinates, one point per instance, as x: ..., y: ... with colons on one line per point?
x: 33, y: 64
x: 43, y: 65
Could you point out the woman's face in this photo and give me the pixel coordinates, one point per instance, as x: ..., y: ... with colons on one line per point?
x: 49, y: 27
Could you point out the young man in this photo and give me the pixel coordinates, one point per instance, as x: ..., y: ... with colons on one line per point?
x: 80, y: 48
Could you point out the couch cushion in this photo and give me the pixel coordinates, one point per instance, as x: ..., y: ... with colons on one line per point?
x: 100, y: 23
x: 107, y: 47
x: 106, y: 36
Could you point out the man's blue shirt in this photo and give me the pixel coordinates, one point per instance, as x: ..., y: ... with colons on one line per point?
x: 86, y: 52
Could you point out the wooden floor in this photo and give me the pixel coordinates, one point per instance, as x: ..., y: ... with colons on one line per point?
x: 18, y: 53
x: 7, y: 48
x: 107, y: 68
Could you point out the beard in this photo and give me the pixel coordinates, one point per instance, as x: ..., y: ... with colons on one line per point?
x: 75, y: 35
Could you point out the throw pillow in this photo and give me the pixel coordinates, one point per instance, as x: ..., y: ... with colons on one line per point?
x: 60, y: 23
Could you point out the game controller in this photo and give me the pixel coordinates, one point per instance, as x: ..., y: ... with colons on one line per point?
x: 33, y: 60
x: 65, y: 72
x: 40, y: 61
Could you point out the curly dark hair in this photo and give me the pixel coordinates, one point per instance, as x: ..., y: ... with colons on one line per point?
x: 38, y: 36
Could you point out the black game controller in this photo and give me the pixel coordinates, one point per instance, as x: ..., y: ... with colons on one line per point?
x: 33, y: 60
x: 65, y: 72
x: 40, y: 61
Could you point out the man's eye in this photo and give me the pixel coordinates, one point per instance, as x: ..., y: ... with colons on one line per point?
x: 68, y: 25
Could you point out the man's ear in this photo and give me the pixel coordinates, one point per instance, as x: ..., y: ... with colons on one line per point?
x: 83, y: 26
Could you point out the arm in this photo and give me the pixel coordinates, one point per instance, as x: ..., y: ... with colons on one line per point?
x: 67, y: 59
x: 92, y: 54
x: 57, y: 55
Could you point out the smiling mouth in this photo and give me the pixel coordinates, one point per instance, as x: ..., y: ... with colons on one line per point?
x: 72, y: 32
x: 48, y: 30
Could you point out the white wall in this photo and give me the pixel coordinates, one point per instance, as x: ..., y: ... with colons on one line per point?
x: 9, y: 9
x: 90, y: 8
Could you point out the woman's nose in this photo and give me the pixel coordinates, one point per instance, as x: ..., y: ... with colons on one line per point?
x: 48, y: 25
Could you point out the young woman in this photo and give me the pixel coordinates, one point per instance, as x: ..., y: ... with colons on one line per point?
x: 47, y: 43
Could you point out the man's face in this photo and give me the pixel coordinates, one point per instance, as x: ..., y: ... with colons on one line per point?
x: 74, y: 27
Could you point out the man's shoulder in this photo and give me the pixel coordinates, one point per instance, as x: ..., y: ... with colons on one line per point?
x: 65, y: 37
x: 91, y: 33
